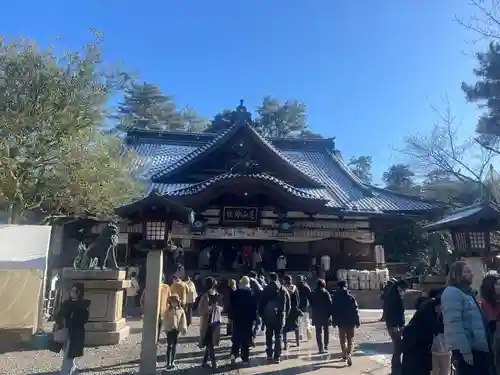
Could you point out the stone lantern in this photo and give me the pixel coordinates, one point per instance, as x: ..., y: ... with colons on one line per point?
x: 156, y: 214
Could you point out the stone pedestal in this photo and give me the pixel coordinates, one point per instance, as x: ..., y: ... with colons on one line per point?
x: 105, y: 290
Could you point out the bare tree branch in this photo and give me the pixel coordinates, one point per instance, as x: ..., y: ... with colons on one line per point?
x: 442, y: 150
x: 484, y: 20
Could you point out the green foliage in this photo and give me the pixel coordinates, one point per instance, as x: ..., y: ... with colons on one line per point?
x: 274, y: 119
x: 486, y: 90
x: 53, y: 156
x: 145, y: 107
x: 279, y: 120
x: 221, y: 121
x: 399, y: 178
x: 362, y: 168
x: 192, y: 121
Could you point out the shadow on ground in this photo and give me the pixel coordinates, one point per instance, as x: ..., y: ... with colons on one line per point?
x: 376, y: 347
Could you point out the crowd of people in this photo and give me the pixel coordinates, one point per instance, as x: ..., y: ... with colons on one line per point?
x: 274, y: 305
x: 452, y: 330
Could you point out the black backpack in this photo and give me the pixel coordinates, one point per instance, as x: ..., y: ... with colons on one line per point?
x: 274, y: 307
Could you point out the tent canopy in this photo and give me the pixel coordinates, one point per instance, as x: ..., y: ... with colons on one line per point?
x: 24, y: 246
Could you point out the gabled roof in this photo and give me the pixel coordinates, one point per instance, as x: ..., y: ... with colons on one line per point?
x: 467, y: 216
x: 154, y: 200
x: 314, y: 158
x: 162, y: 171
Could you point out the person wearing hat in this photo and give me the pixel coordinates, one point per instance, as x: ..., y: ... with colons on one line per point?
x: 174, y: 323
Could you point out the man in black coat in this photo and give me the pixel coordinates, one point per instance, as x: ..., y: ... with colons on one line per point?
x: 304, y: 293
x: 395, y: 320
x: 243, y: 313
x: 345, y: 315
x: 274, y: 308
x: 321, y: 315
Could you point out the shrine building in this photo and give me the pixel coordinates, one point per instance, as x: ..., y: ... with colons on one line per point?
x: 294, y: 196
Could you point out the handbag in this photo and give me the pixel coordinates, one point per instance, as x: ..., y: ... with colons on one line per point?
x: 60, y: 335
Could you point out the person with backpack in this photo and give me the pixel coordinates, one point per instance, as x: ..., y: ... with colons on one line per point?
x: 274, y: 309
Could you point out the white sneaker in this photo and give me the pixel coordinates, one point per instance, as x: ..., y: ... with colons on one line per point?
x: 233, y: 359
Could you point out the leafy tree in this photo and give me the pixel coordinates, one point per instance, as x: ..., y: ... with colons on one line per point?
x: 192, y: 121
x: 279, y: 120
x: 220, y: 122
x: 486, y: 93
x: 145, y: 107
x: 361, y: 166
x: 53, y: 157
x: 400, y: 178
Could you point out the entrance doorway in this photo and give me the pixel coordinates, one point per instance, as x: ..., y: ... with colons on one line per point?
x: 237, y: 255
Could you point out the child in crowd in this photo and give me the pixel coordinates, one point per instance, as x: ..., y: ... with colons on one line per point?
x: 174, y: 322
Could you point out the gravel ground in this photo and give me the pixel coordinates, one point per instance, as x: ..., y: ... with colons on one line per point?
x: 120, y: 359
x: 123, y: 359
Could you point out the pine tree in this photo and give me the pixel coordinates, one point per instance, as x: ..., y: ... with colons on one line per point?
x: 146, y: 107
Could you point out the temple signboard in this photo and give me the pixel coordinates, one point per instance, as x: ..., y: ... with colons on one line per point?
x: 240, y: 215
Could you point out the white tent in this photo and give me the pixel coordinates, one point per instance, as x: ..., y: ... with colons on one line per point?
x: 23, y: 263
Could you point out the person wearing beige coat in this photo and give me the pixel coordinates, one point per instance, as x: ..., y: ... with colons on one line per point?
x: 210, y: 311
x: 180, y: 288
x: 164, y: 294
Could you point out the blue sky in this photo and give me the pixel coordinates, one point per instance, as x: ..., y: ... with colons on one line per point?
x: 367, y: 70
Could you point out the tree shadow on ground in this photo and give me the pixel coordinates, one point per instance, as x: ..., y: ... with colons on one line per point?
x: 376, y: 347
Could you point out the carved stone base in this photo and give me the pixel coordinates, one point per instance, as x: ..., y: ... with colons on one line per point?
x: 105, y: 290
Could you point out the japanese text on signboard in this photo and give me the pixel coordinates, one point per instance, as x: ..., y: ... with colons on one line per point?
x: 240, y: 214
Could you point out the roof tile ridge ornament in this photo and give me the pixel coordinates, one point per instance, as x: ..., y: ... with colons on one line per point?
x: 368, y: 189
x: 240, y: 118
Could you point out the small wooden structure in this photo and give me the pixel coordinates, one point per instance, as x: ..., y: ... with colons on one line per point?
x: 156, y: 215
x: 471, y: 228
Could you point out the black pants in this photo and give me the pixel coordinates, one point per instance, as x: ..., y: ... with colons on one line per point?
x: 396, y: 366
x: 209, y: 349
x: 189, y: 313
x: 171, y: 346
x: 241, y: 339
x: 322, y: 336
x: 159, y: 329
x: 273, y: 335
x: 482, y: 363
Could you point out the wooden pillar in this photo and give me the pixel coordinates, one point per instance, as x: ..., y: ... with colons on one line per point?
x: 154, y: 272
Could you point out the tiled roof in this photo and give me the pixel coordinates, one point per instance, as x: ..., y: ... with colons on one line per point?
x: 336, y: 184
x: 199, y: 187
x: 161, y: 170
x: 469, y: 215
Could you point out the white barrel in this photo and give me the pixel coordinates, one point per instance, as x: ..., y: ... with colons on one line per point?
x: 354, y: 283
x: 364, y: 284
x: 364, y: 275
x: 341, y: 274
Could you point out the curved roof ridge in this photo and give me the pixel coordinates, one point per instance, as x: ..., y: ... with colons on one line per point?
x: 200, y: 186
x: 223, y: 137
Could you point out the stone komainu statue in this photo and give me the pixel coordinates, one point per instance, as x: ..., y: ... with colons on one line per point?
x: 101, y: 253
